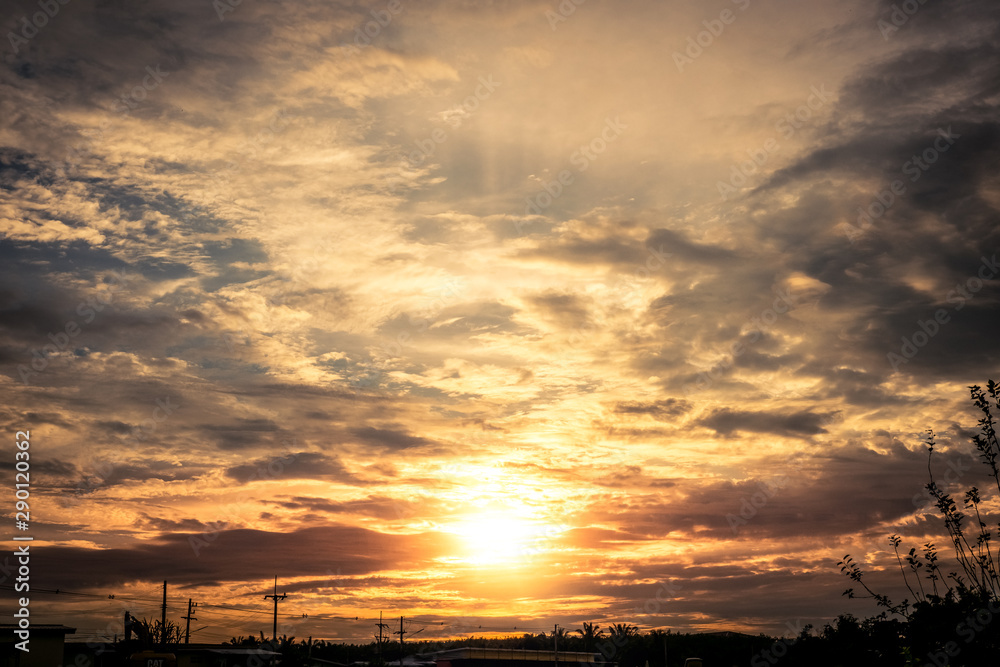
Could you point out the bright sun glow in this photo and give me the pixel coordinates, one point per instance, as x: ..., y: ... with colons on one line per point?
x: 493, y: 538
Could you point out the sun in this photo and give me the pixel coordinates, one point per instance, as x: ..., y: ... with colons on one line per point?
x: 492, y: 538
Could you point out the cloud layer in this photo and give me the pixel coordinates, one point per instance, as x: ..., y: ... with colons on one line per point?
x: 466, y: 313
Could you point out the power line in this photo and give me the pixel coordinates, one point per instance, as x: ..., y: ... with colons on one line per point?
x: 110, y: 597
x: 222, y: 609
x: 247, y: 614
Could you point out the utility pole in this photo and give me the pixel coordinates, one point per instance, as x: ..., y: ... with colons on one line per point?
x: 163, y: 618
x: 555, y: 634
x: 189, y: 618
x: 381, y: 639
x: 274, y: 634
x: 400, y: 633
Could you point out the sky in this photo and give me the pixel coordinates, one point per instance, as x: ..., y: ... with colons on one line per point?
x: 492, y: 315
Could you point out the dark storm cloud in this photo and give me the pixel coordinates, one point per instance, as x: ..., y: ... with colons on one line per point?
x: 161, y: 525
x: 207, y: 558
x: 301, y: 392
x: 51, y: 418
x: 47, y: 468
x: 123, y: 473
x: 235, y: 250
x: 923, y: 117
x: 840, y: 490
x: 225, y: 254
x: 575, y: 250
x: 243, y: 433
x: 113, y: 196
x: 105, y: 473
x: 856, y: 387
x: 569, y: 310
x: 80, y: 299
x: 133, y: 201
x: 682, y: 595
x: 683, y: 249
x: 382, y: 507
x: 726, y: 421
x: 914, y: 341
x: 293, y: 465
x: 23, y: 259
x: 664, y: 410
x: 394, y: 439
x: 663, y: 250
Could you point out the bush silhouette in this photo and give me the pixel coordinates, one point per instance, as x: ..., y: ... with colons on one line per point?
x: 954, y: 616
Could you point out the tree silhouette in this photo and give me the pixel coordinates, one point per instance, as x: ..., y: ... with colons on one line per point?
x: 623, y: 631
x: 157, y: 634
x: 945, y: 618
x: 590, y: 633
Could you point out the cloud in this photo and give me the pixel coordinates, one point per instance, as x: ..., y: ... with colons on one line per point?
x: 663, y: 410
x: 396, y: 346
x: 206, y: 558
x: 388, y: 438
x: 292, y: 465
x: 725, y: 421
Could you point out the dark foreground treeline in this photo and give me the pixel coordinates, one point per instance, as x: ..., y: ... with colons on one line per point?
x: 950, y: 633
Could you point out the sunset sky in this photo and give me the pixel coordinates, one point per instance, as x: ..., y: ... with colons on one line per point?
x: 495, y: 313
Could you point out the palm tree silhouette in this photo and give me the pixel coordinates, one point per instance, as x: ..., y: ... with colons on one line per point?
x: 590, y: 633
x: 623, y: 630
